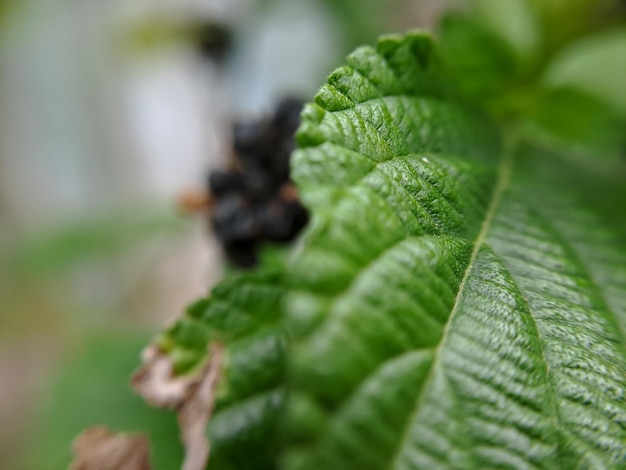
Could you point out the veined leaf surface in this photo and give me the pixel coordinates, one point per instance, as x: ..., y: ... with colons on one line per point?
x: 458, y: 301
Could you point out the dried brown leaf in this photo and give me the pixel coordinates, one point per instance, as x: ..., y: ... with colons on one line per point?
x: 192, y: 396
x: 97, y: 448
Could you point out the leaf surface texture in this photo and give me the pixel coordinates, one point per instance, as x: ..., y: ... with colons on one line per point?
x: 458, y: 301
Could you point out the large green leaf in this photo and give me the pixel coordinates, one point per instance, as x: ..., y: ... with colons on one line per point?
x: 468, y: 312
x: 458, y: 301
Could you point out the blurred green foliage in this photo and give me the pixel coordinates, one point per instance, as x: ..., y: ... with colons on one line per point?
x: 5, y: 8
x: 554, y: 65
x: 362, y: 21
x: 579, y: 66
x: 92, y: 388
x: 84, y: 239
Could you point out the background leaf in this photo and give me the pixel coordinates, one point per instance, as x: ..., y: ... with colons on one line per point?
x: 576, y: 123
x: 483, y: 63
x: 595, y: 65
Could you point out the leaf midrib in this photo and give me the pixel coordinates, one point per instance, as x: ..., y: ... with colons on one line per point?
x: 510, y: 146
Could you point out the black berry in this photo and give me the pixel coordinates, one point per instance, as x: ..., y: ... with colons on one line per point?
x: 257, y: 203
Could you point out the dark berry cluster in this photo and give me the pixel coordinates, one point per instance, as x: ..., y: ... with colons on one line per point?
x: 255, y: 202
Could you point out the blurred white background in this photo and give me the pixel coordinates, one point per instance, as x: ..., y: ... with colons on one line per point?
x: 101, y: 130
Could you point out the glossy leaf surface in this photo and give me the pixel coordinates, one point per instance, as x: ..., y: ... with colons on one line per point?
x: 459, y: 299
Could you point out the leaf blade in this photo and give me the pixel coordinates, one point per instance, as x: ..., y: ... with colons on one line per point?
x: 530, y: 429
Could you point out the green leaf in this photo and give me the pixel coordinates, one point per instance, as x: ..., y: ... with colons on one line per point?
x: 564, y: 20
x: 458, y: 300
x: 575, y: 123
x: 80, y: 241
x: 484, y: 268
x: 244, y: 313
x: 516, y: 22
x: 595, y: 65
x: 579, y: 104
x: 481, y: 60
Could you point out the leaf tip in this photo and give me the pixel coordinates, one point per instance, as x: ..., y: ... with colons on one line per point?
x: 419, y: 42
x: 312, y: 113
x: 309, y: 134
x: 332, y: 99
